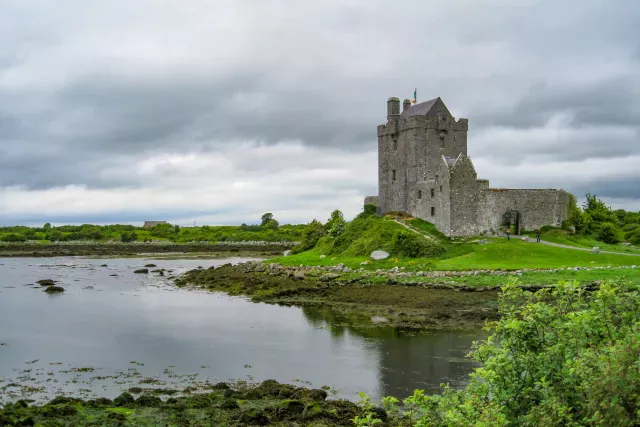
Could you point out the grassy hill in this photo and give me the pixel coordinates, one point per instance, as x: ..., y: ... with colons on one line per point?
x: 422, y: 247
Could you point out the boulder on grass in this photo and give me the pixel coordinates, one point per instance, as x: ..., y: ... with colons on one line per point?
x: 378, y: 255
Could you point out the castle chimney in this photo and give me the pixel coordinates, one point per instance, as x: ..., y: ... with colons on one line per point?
x: 393, y: 107
x: 406, y: 104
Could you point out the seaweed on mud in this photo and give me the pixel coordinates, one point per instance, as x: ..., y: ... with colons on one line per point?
x: 265, y: 406
x: 401, y: 305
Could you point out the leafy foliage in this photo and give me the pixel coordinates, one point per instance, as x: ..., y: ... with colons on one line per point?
x: 415, y: 246
x: 598, y: 221
x: 557, y: 357
x: 336, y: 224
x: 313, y: 232
x: 609, y: 233
x: 271, y: 232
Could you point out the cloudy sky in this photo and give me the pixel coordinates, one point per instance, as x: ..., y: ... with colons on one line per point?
x: 215, y: 112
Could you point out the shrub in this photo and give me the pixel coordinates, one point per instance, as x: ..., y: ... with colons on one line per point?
x: 415, y: 246
x: 634, y: 237
x: 557, y: 357
x: 13, y: 237
x: 313, y: 233
x: 370, y: 210
x: 609, y: 233
x: 128, y: 236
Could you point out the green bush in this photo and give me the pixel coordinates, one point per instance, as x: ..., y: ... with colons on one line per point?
x: 557, y: 357
x: 314, y: 231
x: 128, y: 236
x: 13, y: 237
x: 609, y: 233
x: 415, y: 246
x: 370, y: 210
x: 634, y: 238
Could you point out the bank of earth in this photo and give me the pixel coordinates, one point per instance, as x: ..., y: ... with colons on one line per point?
x: 397, y: 296
x: 133, y: 249
x: 268, y: 403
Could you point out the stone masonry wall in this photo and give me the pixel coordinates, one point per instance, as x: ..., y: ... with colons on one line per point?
x: 464, y: 198
x: 537, y: 208
x: 413, y: 148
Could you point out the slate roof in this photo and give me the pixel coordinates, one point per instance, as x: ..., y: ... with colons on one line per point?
x: 419, y: 109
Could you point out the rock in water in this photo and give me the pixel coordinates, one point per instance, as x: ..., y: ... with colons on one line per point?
x: 378, y: 255
x: 46, y: 282
x: 54, y: 289
x: 142, y: 271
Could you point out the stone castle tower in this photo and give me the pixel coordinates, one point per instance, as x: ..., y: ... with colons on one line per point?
x: 423, y: 170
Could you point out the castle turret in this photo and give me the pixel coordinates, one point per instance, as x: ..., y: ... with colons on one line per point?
x: 406, y: 104
x: 393, y: 108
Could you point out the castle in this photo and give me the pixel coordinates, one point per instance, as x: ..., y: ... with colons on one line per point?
x: 423, y: 170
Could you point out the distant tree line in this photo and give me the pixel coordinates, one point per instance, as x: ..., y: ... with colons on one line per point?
x: 268, y: 230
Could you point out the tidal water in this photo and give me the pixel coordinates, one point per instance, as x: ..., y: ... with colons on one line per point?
x: 113, y: 329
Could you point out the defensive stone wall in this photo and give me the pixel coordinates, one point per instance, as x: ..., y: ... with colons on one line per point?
x: 423, y: 169
x: 537, y: 207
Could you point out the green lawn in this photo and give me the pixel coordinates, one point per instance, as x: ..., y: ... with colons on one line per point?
x: 498, y: 254
x: 583, y: 242
x: 516, y: 254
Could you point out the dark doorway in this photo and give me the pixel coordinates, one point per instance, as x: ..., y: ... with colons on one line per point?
x: 512, y: 219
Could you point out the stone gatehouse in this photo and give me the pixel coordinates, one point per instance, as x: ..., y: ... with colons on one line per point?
x: 423, y: 170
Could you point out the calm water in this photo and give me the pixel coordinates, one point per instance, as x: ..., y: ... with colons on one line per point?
x: 106, y: 333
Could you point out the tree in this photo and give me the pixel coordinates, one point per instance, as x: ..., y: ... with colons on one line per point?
x: 47, y: 227
x: 336, y: 224
x: 266, y: 218
x: 610, y: 233
x: 272, y: 224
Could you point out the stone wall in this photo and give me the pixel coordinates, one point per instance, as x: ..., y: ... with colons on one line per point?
x: 411, y: 164
x: 413, y: 148
x: 372, y: 200
x: 537, y: 207
x: 464, y: 198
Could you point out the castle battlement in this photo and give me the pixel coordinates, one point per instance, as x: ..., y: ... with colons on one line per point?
x: 424, y: 170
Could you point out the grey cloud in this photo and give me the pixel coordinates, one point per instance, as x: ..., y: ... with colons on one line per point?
x: 613, y: 102
x: 322, y: 79
x: 615, y: 188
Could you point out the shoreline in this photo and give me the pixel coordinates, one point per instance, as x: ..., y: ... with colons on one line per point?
x: 269, y: 403
x: 39, y: 250
x: 395, y: 304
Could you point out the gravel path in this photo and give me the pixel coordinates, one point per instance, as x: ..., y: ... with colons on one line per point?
x: 558, y: 245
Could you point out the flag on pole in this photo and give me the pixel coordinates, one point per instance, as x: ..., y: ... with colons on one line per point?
x: 415, y: 96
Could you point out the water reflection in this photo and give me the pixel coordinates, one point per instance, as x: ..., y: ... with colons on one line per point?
x: 406, y: 360
x: 109, y: 317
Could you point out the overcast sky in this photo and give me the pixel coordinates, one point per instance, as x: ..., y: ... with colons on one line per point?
x: 216, y: 112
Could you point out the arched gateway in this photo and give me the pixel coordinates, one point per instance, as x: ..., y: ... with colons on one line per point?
x: 511, y: 218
